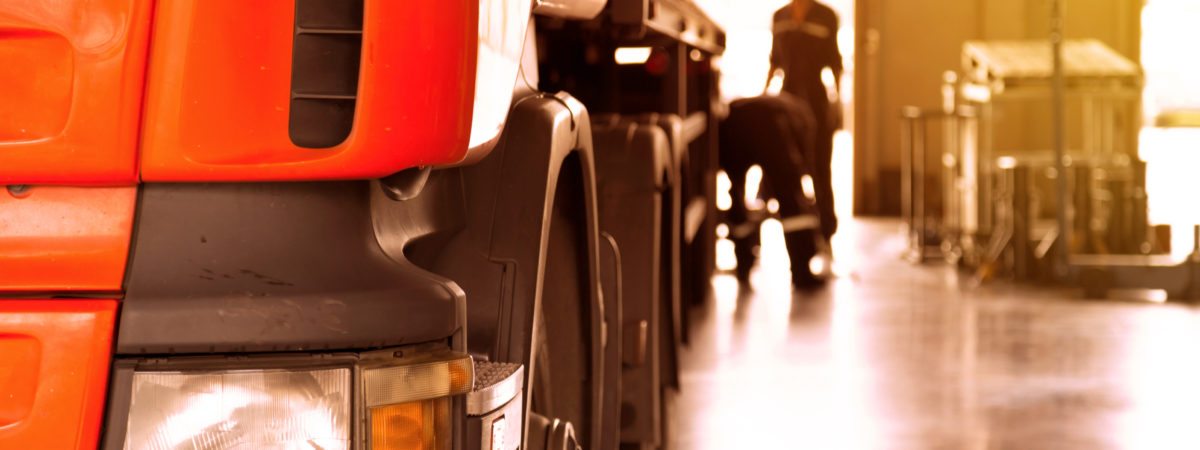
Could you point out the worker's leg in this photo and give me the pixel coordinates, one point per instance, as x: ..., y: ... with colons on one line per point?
x: 822, y: 176
x: 739, y: 154
x: 783, y: 167
x: 801, y: 224
x: 742, y: 230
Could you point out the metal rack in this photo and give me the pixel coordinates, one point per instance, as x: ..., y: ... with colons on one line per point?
x: 1104, y: 85
x: 1094, y: 74
x: 931, y: 233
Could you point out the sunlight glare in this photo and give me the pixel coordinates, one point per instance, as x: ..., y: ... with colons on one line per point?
x: 724, y: 200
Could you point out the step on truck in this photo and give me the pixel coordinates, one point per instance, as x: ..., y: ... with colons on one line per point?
x: 350, y: 224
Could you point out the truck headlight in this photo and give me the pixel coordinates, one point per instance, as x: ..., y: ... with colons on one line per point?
x: 372, y: 402
x: 234, y: 409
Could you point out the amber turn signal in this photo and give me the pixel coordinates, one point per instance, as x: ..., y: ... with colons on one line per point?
x: 423, y: 425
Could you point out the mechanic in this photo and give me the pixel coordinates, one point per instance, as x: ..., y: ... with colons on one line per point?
x: 804, y: 46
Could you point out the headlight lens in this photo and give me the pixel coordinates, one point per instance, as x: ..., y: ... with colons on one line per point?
x: 240, y: 409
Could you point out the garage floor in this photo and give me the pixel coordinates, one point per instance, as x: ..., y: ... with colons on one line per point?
x: 896, y: 356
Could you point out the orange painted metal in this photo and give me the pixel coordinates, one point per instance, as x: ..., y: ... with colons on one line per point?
x: 71, y: 73
x: 219, y: 90
x: 65, y: 238
x: 54, y: 360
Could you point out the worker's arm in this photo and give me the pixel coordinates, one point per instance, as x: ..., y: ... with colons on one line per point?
x: 835, y: 57
x: 835, y: 64
x: 777, y: 49
x: 775, y: 63
x: 770, y: 75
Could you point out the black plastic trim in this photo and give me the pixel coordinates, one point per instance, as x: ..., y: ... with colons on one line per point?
x: 273, y: 267
x: 116, y: 413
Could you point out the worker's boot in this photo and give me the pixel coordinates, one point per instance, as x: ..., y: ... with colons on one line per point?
x: 745, y: 239
x: 802, y: 246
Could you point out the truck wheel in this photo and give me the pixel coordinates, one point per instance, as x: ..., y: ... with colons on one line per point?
x: 563, y: 387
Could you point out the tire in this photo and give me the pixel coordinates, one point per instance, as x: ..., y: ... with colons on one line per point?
x: 562, y: 385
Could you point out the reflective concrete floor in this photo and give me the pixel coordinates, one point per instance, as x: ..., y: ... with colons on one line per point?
x: 895, y: 356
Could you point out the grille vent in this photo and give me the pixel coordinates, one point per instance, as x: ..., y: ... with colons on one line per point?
x: 326, y: 50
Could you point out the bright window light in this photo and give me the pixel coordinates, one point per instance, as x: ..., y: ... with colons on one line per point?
x: 632, y: 55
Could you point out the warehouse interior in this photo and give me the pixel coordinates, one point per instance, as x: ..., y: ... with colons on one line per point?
x: 955, y: 316
x: 599, y: 224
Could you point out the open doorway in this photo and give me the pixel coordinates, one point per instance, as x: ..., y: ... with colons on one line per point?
x: 744, y: 73
x: 745, y: 64
x: 1171, y: 106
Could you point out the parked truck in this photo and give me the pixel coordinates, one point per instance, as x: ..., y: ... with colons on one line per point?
x: 356, y: 224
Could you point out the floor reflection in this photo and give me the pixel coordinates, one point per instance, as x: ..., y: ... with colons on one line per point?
x: 892, y: 356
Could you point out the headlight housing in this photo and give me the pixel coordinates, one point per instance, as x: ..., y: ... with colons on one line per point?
x: 236, y: 409
x: 367, y: 402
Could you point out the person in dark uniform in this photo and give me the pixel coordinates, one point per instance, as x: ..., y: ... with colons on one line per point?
x: 804, y: 45
x: 777, y: 133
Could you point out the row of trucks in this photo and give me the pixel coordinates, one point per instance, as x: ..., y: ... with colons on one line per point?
x: 351, y: 224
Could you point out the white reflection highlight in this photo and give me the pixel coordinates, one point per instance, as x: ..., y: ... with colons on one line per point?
x: 502, y: 26
x: 724, y: 200
x: 775, y: 86
x: 726, y: 259
x: 631, y: 55
x: 773, y: 257
x: 754, y: 176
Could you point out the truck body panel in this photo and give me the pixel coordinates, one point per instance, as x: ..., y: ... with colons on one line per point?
x: 56, y: 357
x: 225, y: 87
x: 65, y: 239
x: 73, y: 73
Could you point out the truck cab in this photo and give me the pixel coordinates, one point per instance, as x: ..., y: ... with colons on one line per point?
x: 353, y: 224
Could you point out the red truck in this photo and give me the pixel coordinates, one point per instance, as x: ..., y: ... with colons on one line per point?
x: 357, y: 224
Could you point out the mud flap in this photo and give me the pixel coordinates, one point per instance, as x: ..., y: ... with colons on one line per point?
x: 633, y: 163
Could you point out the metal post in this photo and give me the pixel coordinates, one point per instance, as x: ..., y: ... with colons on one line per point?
x: 906, y: 177
x: 1022, y: 221
x: 1195, y: 239
x: 1059, y: 100
x: 919, y: 166
x: 949, y: 162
